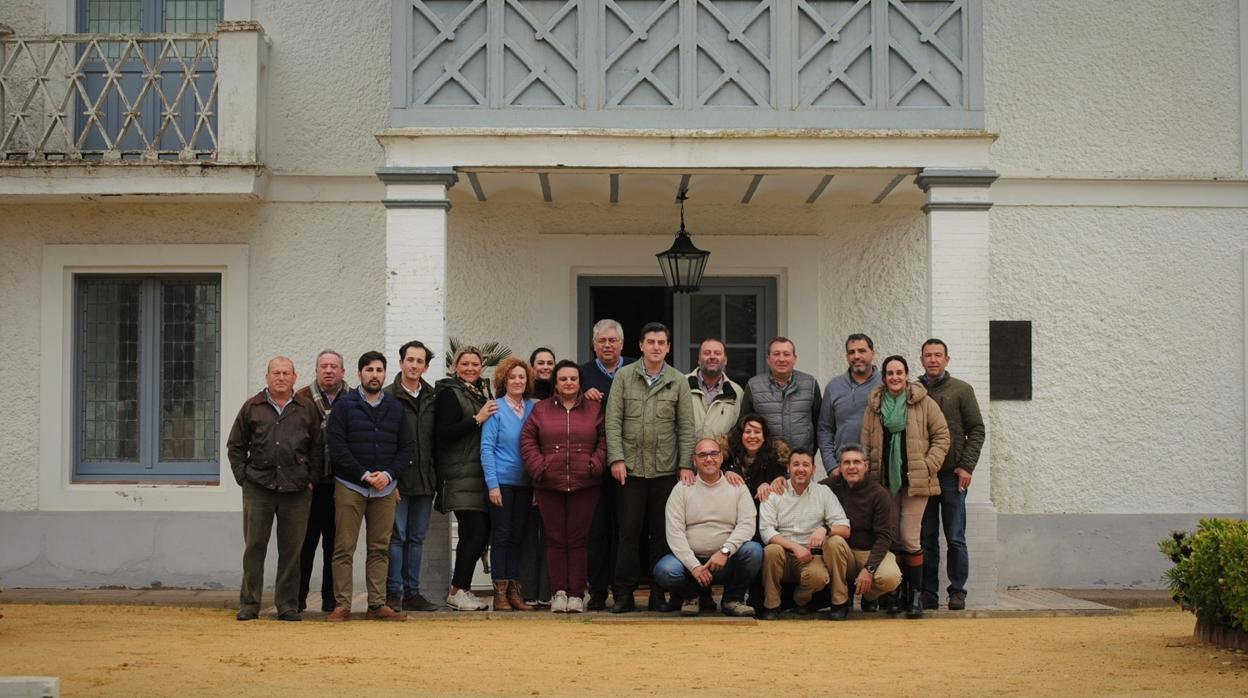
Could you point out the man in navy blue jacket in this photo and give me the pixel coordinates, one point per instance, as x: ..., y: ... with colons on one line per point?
x: 370, y: 444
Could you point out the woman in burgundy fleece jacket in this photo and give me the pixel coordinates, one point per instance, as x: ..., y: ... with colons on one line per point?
x: 564, y: 447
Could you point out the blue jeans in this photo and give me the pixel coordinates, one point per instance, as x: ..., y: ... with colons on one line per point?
x: 948, y: 509
x: 507, y: 531
x: 407, y: 541
x: 741, y: 569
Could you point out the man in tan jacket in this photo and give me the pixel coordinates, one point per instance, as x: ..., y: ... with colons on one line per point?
x: 716, y: 400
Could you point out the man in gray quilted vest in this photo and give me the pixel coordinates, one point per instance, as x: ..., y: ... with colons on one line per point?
x: 787, y: 399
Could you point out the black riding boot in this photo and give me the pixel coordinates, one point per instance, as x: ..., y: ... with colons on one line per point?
x: 913, y: 600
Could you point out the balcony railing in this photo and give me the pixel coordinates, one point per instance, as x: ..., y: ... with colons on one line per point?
x: 131, y: 97
x: 911, y: 64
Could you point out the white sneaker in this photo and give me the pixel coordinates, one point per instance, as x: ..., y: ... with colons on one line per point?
x: 559, y: 604
x: 576, y: 604
x: 464, y: 600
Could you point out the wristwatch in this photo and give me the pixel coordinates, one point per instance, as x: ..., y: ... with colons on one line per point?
x: 870, y: 568
x: 725, y: 549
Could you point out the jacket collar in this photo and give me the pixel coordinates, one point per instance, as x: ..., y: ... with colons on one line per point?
x: 728, y: 392
x: 397, y: 390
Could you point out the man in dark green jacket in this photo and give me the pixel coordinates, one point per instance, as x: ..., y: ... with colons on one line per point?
x: 417, y: 483
x: 276, y: 453
x: 650, y: 437
x: 966, y: 437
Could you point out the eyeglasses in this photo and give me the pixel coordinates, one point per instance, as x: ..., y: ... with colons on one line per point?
x: 706, y: 454
x: 608, y: 340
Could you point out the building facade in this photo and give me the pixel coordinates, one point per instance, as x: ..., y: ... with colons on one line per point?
x: 1062, y: 185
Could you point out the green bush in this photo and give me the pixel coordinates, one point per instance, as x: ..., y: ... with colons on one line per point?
x: 1210, y: 573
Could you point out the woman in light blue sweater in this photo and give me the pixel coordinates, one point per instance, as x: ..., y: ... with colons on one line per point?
x: 510, y: 490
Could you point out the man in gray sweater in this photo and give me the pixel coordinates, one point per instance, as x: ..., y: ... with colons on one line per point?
x: 710, y: 525
x: 845, y: 400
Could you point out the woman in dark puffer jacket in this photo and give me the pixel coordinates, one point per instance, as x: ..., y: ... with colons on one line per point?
x: 564, y: 448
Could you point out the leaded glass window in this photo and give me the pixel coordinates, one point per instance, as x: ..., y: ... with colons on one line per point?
x: 147, y: 377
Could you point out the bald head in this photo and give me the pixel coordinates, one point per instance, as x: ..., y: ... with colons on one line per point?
x: 708, y: 458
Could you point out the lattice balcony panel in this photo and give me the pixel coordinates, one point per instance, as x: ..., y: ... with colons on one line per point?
x: 109, y: 97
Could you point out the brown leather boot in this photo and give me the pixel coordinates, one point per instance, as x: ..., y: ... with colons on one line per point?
x: 501, y: 602
x: 514, y: 598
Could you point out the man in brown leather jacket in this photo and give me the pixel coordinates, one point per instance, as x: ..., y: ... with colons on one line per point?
x: 277, y: 453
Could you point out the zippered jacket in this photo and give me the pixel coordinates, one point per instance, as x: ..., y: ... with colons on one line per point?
x: 564, y: 450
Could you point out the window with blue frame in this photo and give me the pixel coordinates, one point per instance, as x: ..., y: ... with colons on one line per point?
x: 147, y: 377
x: 118, y: 79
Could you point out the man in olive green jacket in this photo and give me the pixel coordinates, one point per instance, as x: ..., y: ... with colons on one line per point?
x: 650, y: 436
x: 966, y: 438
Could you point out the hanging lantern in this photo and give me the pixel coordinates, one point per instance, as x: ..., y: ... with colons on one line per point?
x: 682, y: 263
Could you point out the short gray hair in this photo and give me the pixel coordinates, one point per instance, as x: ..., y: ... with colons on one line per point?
x: 851, y: 446
x: 323, y: 352
x: 608, y: 324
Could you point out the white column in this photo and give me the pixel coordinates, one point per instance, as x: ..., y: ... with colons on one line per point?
x: 416, y: 227
x: 242, y: 51
x: 958, y: 313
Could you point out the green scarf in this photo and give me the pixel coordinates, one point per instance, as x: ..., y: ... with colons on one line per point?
x: 893, y: 412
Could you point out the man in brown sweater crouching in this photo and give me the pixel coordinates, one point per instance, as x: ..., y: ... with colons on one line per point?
x: 862, y: 563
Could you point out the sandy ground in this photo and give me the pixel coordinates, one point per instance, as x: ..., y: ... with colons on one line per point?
x: 115, y: 651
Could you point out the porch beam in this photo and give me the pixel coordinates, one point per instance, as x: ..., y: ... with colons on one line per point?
x: 823, y: 184
x: 888, y: 189
x: 749, y: 192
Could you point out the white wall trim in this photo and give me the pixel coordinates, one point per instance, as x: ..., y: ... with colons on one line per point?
x: 1244, y: 348
x: 60, y: 264
x: 1243, y: 87
x: 59, y: 16
x: 1120, y: 192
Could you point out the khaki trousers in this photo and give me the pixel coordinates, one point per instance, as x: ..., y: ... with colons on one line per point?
x: 910, y: 520
x: 781, y: 567
x: 844, y: 565
x: 350, y: 509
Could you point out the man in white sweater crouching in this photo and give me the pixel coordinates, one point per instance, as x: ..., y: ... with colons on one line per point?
x: 794, y: 525
x: 710, y: 530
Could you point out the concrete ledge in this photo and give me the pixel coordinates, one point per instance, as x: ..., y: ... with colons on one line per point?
x: 41, y: 182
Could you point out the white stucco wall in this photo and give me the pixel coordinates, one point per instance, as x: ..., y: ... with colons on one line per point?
x: 289, y: 313
x: 870, y: 274
x: 1142, y: 88
x: 1137, y: 360
x: 24, y: 16
x: 328, y: 85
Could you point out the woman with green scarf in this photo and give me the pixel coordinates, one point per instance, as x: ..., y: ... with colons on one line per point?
x: 906, y: 438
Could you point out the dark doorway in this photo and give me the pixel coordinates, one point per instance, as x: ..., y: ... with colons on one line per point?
x: 633, y: 302
x: 740, y: 311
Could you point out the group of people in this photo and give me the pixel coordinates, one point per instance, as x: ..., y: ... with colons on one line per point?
x: 636, y: 471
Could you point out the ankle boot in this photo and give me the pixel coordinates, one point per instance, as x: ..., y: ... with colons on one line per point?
x: 914, y: 597
x: 515, y: 598
x: 893, y: 602
x: 501, y: 602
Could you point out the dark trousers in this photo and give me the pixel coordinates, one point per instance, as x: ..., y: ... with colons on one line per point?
x: 948, y: 511
x: 260, y: 507
x: 507, y: 531
x: 474, y: 534
x: 640, y: 504
x: 534, y: 572
x: 320, y: 530
x: 567, y: 516
x: 603, y: 538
